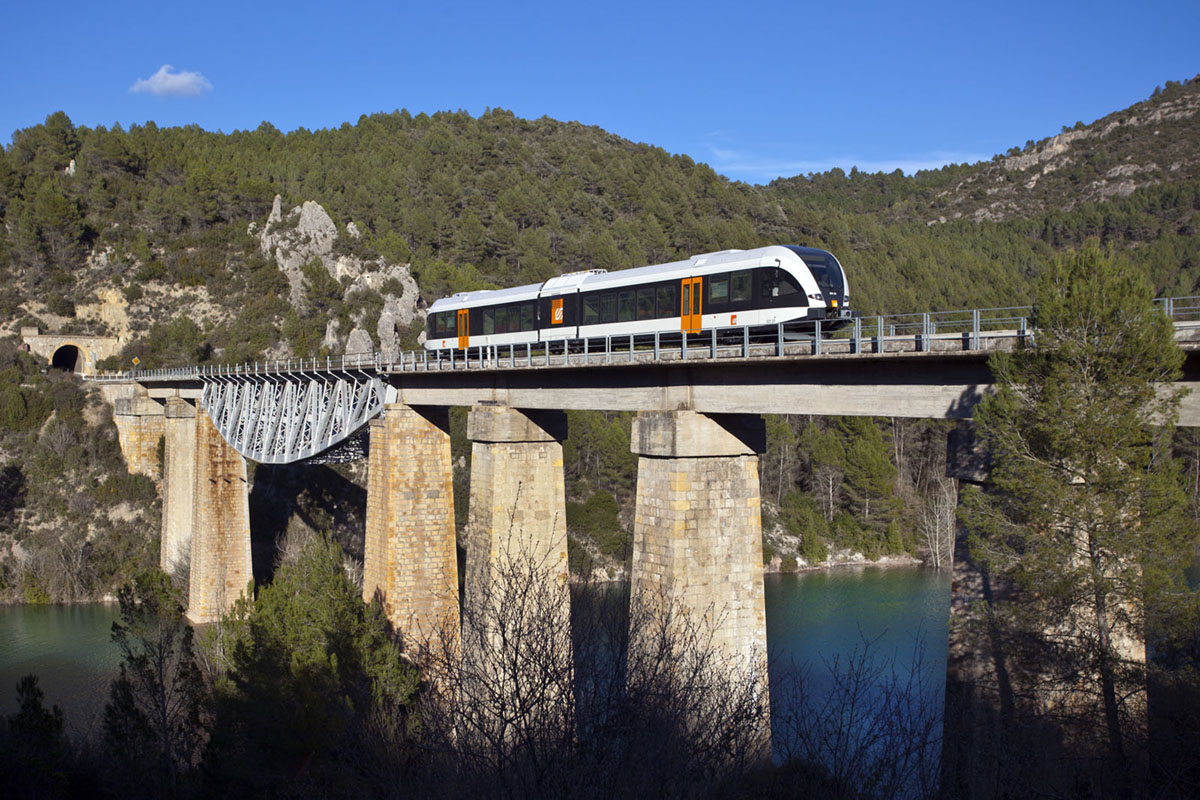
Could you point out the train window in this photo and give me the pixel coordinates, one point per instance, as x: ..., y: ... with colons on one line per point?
x: 718, y: 290
x: 777, y: 283
x: 449, y: 323
x: 739, y: 286
x: 626, y: 306
x: 666, y: 302
x: 645, y: 302
x: 591, y: 309
x: 527, y: 316
x: 608, y: 307
x: 489, y: 321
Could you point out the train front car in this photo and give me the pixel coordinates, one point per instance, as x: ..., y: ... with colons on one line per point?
x: 830, y: 302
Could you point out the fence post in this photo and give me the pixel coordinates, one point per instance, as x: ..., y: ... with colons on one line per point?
x: 745, y: 341
x: 656, y: 345
x: 817, y: 338
x: 779, y: 339
x: 858, y: 335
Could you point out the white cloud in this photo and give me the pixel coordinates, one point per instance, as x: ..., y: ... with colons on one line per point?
x: 752, y: 167
x: 167, y: 82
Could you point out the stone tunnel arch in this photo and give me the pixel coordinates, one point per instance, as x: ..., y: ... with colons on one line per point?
x: 68, y: 357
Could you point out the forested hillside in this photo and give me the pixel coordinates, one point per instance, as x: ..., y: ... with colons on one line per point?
x: 159, y: 235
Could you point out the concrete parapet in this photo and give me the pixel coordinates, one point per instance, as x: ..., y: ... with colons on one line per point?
x: 697, y: 536
x: 179, y: 483
x: 220, y: 551
x: 410, y: 557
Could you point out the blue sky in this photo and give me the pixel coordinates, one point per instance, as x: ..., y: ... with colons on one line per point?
x: 758, y: 90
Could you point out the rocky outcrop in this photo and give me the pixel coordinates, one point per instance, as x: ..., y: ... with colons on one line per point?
x: 307, y: 233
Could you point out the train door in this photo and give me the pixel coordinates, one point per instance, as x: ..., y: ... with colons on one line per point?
x: 464, y: 327
x: 690, y: 290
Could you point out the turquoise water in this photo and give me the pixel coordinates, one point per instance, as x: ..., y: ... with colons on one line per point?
x: 903, y: 613
x: 811, y: 619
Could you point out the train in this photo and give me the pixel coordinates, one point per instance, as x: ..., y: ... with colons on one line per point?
x: 759, y: 289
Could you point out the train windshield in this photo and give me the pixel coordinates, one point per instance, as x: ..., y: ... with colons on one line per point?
x: 825, y: 268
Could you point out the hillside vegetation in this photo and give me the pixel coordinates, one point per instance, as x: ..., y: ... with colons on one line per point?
x: 161, y: 236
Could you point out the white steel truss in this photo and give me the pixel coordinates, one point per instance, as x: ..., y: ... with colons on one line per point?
x: 281, y: 418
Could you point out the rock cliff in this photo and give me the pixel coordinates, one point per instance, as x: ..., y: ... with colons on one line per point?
x: 307, y: 233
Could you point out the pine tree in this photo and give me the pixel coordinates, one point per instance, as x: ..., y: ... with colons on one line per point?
x: 1086, y: 513
x: 155, y: 717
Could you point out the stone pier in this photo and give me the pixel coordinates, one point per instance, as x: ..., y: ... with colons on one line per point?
x: 518, y: 515
x: 410, y: 557
x: 697, y: 536
x: 516, y: 617
x: 140, y: 427
x: 220, y: 550
x: 179, y: 483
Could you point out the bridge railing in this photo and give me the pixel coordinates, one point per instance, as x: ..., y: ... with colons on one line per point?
x: 960, y: 330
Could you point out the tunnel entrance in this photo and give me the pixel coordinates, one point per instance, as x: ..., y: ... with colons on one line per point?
x: 67, y: 358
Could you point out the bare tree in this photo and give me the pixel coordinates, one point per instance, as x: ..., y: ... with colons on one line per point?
x: 937, y: 523
x: 554, y: 708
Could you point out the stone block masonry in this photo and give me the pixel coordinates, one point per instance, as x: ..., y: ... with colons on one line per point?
x: 140, y: 427
x: 220, y: 551
x: 518, y: 510
x: 410, y: 557
x: 697, y: 538
x: 179, y: 483
x: 517, y: 652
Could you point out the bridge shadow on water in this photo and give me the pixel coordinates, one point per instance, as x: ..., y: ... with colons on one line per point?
x: 319, y: 497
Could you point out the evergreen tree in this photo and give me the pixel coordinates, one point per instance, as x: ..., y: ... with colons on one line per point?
x: 33, y: 753
x: 314, y: 676
x: 155, y: 717
x: 1086, y: 514
x: 870, y: 474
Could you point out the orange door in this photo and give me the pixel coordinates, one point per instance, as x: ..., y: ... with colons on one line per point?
x: 689, y: 304
x: 464, y: 328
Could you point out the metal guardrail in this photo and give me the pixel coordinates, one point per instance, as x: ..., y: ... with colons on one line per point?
x: 970, y: 329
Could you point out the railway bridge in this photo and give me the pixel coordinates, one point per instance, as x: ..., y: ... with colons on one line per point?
x: 698, y: 433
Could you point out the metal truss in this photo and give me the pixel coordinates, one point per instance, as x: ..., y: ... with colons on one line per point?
x: 285, y: 417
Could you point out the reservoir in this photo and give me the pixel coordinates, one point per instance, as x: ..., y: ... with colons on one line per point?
x: 812, y: 619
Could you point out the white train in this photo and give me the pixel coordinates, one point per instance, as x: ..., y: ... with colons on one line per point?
x: 732, y: 288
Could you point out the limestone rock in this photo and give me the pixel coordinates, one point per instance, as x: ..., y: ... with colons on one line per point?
x: 331, y: 335
x: 301, y: 235
x: 359, y: 343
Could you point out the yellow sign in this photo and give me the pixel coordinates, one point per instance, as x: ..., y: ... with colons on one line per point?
x: 556, y: 311
x: 136, y: 361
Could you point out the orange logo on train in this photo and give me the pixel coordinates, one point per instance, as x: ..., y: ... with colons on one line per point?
x: 556, y: 311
